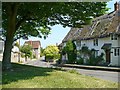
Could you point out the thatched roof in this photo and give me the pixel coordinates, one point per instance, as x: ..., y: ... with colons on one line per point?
x: 100, y: 27
x: 71, y: 34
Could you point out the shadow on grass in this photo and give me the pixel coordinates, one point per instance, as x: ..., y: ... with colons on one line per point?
x: 23, y: 72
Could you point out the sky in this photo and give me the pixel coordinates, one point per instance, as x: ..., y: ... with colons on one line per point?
x: 58, y: 32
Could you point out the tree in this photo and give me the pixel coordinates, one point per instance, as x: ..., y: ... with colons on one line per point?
x: 22, y: 19
x: 27, y: 50
x: 51, y: 52
x: 71, y: 51
x: 41, y: 52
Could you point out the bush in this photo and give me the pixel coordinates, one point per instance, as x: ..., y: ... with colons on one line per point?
x: 92, y: 60
x: 49, y: 56
x: 51, y: 52
x: 70, y: 49
x: 80, y: 61
x: 71, y: 58
x: 56, y: 56
x: 95, y: 60
x: 58, y: 61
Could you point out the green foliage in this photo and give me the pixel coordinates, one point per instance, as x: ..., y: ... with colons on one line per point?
x: 95, y: 60
x: 27, y: 50
x: 34, y: 56
x: 67, y: 14
x: 49, y: 56
x: 17, y: 44
x: 92, y: 59
x: 26, y: 76
x: 51, y: 52
x: 70, y: 49
x: 80, y: 61
x: 85, y: 50
x: 73, y: 71
x: 24, y: 19
x: 58, y: 61
x: 41, y: 52
x: 22, y: 55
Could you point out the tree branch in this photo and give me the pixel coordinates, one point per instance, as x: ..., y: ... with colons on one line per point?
x: 23, y: 20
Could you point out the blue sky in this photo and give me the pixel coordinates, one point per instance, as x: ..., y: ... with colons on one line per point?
x: 58, y: 32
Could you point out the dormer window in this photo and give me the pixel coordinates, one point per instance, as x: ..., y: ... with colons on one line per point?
x: 113, y: 37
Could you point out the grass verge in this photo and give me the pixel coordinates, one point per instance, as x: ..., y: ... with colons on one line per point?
x: 25, y: 76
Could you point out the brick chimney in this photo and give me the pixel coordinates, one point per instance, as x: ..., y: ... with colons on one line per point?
x: 116, y: 6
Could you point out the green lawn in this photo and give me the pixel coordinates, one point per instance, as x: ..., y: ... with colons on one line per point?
x: 24, y: 76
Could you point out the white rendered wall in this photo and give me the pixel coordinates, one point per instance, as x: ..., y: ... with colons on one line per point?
x: 1, y: 46
x: 115, y: 60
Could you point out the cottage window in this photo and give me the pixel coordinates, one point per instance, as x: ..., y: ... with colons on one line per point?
x: 113, y: 37
x: 95, y: 42
x: 78, y: 43
x: 96, y: 53
x: 117, y: 51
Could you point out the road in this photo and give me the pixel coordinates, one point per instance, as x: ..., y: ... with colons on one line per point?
x: 105, y: 75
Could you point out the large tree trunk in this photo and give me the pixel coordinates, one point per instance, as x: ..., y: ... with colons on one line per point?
x: 6, y: 64
x: 12, y: 13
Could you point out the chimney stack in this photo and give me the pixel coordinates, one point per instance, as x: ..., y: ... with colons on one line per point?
x: 116, y: 6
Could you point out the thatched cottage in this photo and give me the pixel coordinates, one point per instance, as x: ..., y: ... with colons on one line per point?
x: 103, y: 35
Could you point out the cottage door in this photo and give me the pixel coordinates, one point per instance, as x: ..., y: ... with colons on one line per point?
x: 108, y: 56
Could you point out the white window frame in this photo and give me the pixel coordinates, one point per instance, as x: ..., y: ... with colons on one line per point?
x: 116, y: 51
x: 95, y: 42
x: 114, y: 37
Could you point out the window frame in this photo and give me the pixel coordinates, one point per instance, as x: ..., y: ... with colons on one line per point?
x: 116, y: 51
x: 95, y: 42
x: 114, y: 37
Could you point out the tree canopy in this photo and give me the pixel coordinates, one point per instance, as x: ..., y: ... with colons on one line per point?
x: 24, y: 19
x: 51, y: 52
x: 34, y: 19
x: 27, y: 50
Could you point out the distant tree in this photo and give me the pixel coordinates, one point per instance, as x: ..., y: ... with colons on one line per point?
x: 41, y: 52
x: 27, y: 51
x: 23, y: 19
x: 52, y: 52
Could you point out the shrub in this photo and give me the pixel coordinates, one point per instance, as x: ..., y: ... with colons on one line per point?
x: 58, y: 61
x: 51, y: 52
x: 70, y: 49
x: 71, y: 58
x: 92, y: 60
x: 95, y: 60
x: 80, y: 61
x: 49, y: 56
x: 57, y: 56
